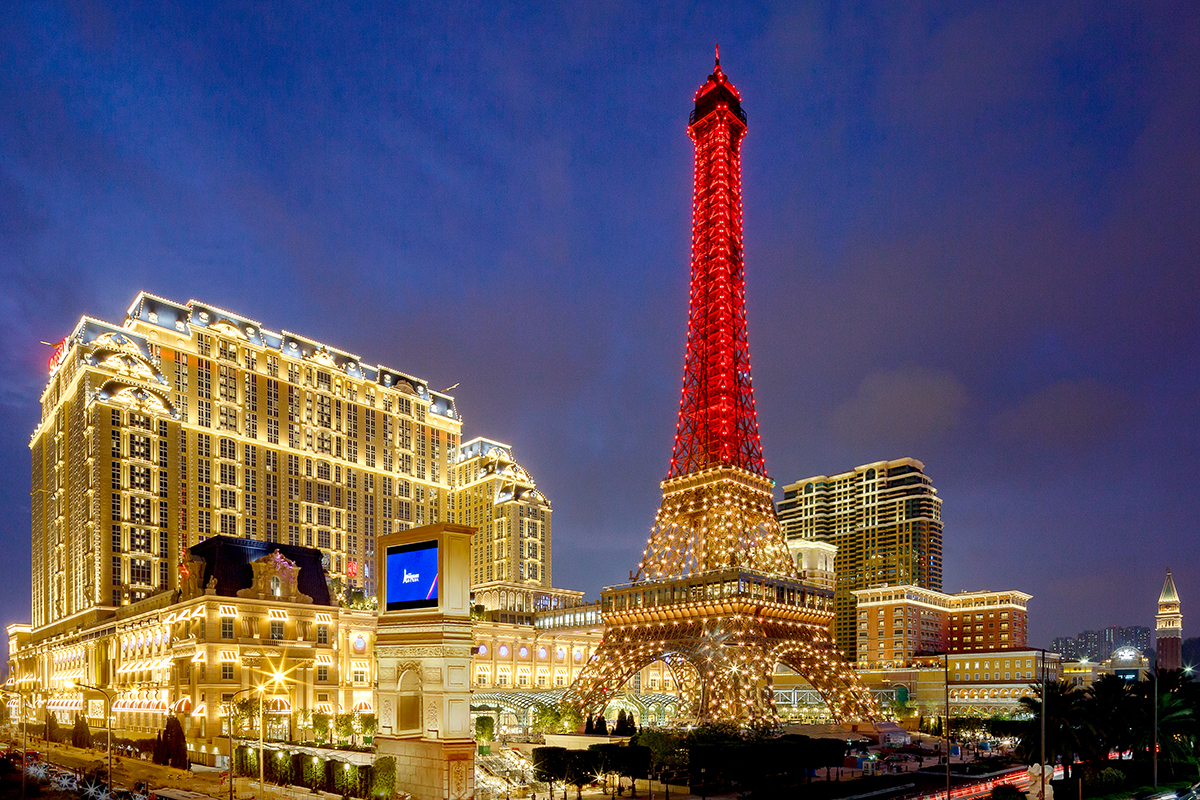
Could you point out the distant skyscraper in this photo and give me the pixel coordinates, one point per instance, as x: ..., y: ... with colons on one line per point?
x: 496, y: 496
x: 1100, y: 645
x: 1168, y: 627
x: 884, y: 518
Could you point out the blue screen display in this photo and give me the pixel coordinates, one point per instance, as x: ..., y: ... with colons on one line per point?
x: 412, y: 576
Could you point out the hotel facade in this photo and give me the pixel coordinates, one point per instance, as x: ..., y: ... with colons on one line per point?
x: 885, y: 518
x: 186, y: 421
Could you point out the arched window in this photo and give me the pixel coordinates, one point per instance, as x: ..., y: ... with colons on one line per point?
x: 276, y: 586
x: 409, y: 702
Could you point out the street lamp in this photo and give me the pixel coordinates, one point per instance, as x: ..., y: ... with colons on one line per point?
x: 24, y: 735
x: 276, y: 680
x: 1042, y: 770
x: 1154, y: 703
x: 946, y: 726
x: 107, y: 723
x: 231, y: 699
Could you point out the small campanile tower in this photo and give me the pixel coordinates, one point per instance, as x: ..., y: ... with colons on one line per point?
x: 1168, y: 627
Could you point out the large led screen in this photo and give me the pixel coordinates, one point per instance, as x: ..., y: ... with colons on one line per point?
x: 412, y: 576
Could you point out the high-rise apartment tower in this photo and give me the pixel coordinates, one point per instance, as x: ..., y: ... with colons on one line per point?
x: 885, y: 519
x: 496, y: 496
x: 187, y: 420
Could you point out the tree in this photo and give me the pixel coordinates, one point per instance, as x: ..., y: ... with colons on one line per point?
x: 666, y: 749
x: 51, y: 728
x: 1108, y: 713
x: 384, y: 780
x: 485, y: 729
x: 636, y: 765
x: 159, y: 756
x: 343, y: 727
x: 1064, y: 721
x: 367, y: 725
x: 304, y: 722
x: 580, y: 768
x: 609, y: 758
x: 550, y: 763
x: 601, y: 726
x: 174, y: 745
x: 570, y: 719
x: 81, y: 734
x: 320, y: 724
x: 590, y: 726
x: 546, y: 719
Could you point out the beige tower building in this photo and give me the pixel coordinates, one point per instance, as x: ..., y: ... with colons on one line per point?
x: 186, y: 420
x: 1168, y: 627
x: 495, y: 495
x: 885, y: 519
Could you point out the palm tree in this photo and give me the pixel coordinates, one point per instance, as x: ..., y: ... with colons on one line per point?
x: 1109, y: 711
x: 1064, y: 721
x: 1178, y: 712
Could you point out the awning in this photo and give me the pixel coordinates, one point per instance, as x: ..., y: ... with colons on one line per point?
x: 324, y: 619
x: 228, y: 611
x: 198, y: 657
x: 182, y: 706
x: 363, y: 707
x: 14, y: 702
x: 198, y: 611
x: 64, y: 704
x: 324, y: 708
x: 199, y: 712
x: 324, y: 658
x: 277, y: 705
x: 277, y: 613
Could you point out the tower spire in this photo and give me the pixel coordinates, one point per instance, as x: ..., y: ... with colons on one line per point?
x: 717, y: 422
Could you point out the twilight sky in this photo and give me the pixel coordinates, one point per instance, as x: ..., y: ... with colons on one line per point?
x: 972, y: 237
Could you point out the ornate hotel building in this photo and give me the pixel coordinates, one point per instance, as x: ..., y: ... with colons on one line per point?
x: 246, y: 611
x: 494, y: 494
x: 885, y: 519
x: 899, y: 623
x: 185, y: 421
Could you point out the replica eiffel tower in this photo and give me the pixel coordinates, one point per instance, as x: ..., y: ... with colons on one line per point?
x: 717, y: 597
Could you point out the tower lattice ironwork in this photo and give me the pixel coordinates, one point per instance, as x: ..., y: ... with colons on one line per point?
x: 716, y: 596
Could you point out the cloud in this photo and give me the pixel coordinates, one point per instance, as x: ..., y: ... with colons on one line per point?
x: 901, y: 408
x: 1064, y: 415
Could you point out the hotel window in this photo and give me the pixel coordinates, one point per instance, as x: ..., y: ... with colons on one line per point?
x: 322, y: 674
x: 226, y: 628
x: 322, y: 634
x: 276, y: 629
x: 227, y: 672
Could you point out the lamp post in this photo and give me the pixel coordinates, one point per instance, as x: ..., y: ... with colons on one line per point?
x: 946, y: 726
x: 1154, y: 703
x: 231, y: 699
x: 24, y: 735
x: 1042, y: 770
x: 107, y: 724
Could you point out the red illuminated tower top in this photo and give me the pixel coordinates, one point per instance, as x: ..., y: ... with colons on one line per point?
x: 717, y: 423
